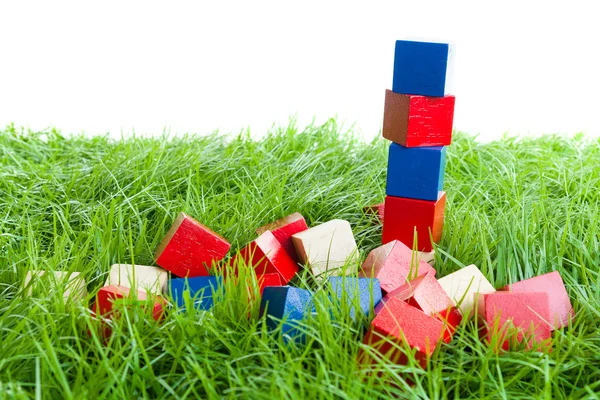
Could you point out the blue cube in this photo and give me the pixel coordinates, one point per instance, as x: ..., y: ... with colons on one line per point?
x: 200, y: 291
x: 365, y: 292
x: 422, y: 68
x: 416, y: 172
x: 287, y: 305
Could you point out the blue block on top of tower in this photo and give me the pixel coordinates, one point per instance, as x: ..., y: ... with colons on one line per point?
x: 416, y: 172
x: 423, y: 68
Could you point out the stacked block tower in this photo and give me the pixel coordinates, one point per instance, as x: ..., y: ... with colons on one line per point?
x: 418, y: 120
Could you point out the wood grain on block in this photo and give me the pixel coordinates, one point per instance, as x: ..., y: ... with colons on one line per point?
x: 283, y: 229
x: 561, y: 310
x: 71, y: 284
x: 403, y: 216
x: 138, y: 277
x: 516, y: 318
x: 327, y: 246
x: 266, y: 255
x: 416, y: 173
x: 426, y: 294
x: 108, y: 296
x: 416, y: 121
x: 461, y: 285
x: 375, y: 209
x: 403, y: 325
x: 189, y: 248
x: 423, y: 68
x: 394, y: 264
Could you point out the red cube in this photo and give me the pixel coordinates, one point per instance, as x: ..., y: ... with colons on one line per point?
x: 265, y: 280
x: 404, y: 215
x: 283, y: 229
x: 394, y: 264
x: 107, y: 296
x: 189, y: 248
x: 561, y: 311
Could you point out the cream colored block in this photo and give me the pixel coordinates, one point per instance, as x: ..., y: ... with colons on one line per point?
x: 327, y: 246
x: 71, y: 284
x: 462, y: 285
x: 428, y: 257
x: 139, y: 277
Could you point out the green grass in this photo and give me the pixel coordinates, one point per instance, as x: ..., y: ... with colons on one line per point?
x: 516, y: 208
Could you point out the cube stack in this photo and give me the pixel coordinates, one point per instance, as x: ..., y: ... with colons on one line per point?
x: 418, y: 120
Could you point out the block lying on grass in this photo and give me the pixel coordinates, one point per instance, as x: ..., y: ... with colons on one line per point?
x: 515, y: 319
x: 375, y: 209
x: 461, y: 286
x: 426, y: 294
x: 393, y: 264
x: 199, y: 291
x: 350, y: 292
x: 71, y: 284
x: 108, y: 296
x: 327, y: 246
x: 138, y: 277
x: 403, y: 216
x: 189, y: 248
x: 403, y: 325
x: 289, y: 307
x: 266, y: 255
x: 267, y: 280
x: 561, y: 311
x: 283, y: 229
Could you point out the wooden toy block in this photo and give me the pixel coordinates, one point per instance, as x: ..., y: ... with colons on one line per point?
x: 416, y: 173
x: 394, y: 264
x: 108, y: 296
x: 189, y: 248
x: 426, y: 294
x: 461, y: 285
x: 375, y: 209
x: 403, y: 216
x: 267, y: 280
x: 327, y: 247
x: 199, y: 291
x: 561, y: 311
x: 415, y: 121
x: 423, y: 68
x: 402, y: 325
x: 364, y: 292
x: 287, y: 306
x: 516, y: 318
x: 72, y: 284
x: 138, y: 277
x: 427, y: 256
x: 283, y: 229
x: 266, y: 255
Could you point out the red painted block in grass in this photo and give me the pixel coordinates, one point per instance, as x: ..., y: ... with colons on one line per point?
x: 267, y: 256
x: 375, y: 209
x: 273, y: 279
x: 404, y: 215
x: 394, y: 264
x: 426, y: 294
x: 108, y: 295
x: 513, y: 319
x: 283, y: 229
x: 561, y: 310
x: 189, y: 248
x: 402, y: 325
x: 417, y: 121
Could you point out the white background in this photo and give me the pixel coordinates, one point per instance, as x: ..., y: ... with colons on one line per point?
x: 124, y: 66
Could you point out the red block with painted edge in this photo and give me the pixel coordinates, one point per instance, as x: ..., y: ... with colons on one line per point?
x: 375, y: 209
x: 403, y: 325
x: 265, y: 280
x: 403, y: 216
x: 283, y: 229
x: 267, y: 256
x: 426, y: 294
x: 561, y: 310
x: 417, y: 121
x: 394, y: 264
x: 189, y: 248
x: 512, y: 318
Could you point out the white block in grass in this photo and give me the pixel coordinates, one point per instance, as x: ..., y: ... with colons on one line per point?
x: 463, y: 284
x: 327, y: 246
x: 139, y: 277
x: 71, y: 284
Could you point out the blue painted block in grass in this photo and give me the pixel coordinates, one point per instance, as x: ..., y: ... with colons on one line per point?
x: 290, y: 305
x: 364, y: 292
x: 200, y: 291
x: 422, y: 68
x: 416, y: 172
